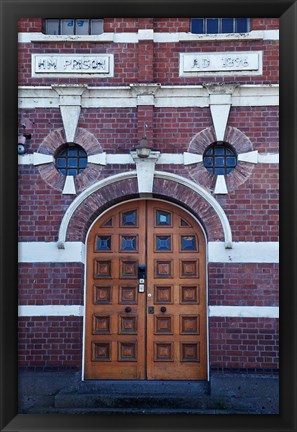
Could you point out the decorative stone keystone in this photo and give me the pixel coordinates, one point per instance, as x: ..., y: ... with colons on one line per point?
x: 70, y: 106
x: 98, y: 159
x: 69, y: 186
x: 220, y: 187
x: 192, y: 158
x: 220, y: 101
x: 251, y: 157
x: 40, y: 159
x: 145, y: 168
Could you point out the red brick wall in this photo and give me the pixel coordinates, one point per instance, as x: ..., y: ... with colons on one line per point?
x: 130, y: 67
x: 50, y: 342
x: 243, y: 284
x: 243, y: 343
x: 51, y: 283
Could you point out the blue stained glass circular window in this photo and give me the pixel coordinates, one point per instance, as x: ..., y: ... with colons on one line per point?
x: 71, y: 159
x: 220, y: 158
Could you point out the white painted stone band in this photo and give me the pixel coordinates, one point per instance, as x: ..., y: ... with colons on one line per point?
x: 51, y: 310
x: 244, y: 252
x: 148, y: 35
x: 244, y: 311
x: 249, y: 252
x: 35, y: 252
x: 165, y: 158
x: 214, y: 311
x: 165, y: 96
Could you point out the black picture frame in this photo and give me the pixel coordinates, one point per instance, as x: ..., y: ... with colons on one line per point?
x: 10, y: 11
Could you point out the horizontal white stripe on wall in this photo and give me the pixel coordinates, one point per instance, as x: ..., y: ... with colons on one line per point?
x: 51, y: 310
x: 244, y: 311
x: 241, y: 252
x: 162, y: 37
x: 34, y: 252
x: 174, y: 96
x: 165, y: 158
x: 244, y: 252
x: 214, y: 311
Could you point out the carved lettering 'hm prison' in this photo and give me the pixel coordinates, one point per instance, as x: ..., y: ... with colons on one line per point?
x: 60, y: 65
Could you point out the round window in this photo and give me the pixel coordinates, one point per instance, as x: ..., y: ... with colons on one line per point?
x: 71, y: 159
x: 220, y: 158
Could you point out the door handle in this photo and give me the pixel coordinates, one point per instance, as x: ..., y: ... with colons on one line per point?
x: 163, y: 309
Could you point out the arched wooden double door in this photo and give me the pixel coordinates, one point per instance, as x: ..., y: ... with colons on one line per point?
x: 146, y: 295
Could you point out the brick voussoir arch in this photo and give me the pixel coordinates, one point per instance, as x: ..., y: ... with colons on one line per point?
x: 55, y: 140
x: 96, y: 203
x: 196, y: 204
x: 89, y: 205
x: 241, y: 144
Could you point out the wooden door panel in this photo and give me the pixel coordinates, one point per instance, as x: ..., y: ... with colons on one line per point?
x: 176, y: 331
x: 115, y: 325
x: 159, y: 333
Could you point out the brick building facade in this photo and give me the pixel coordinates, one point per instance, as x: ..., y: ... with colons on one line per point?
x: 149, y: 78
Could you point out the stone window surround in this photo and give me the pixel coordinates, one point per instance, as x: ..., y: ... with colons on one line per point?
x: 247, y: 158
x: 51, y: 175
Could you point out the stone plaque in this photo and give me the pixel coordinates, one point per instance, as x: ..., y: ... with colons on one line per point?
x: 223, y: 63
x: 72, y: 65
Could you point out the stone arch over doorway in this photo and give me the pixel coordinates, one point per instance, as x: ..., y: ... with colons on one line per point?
x: 167, y: 186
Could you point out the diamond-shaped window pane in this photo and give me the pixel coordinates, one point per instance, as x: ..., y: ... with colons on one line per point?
x: 188, y: 243
x: 128, y: 243
x: 103, y: 244
x: 163, y: 218
x: 163, y: 243
x: 129, y: 218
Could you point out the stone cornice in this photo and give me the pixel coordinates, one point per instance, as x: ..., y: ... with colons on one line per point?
x: 157, y: 37
x: 153, y: 94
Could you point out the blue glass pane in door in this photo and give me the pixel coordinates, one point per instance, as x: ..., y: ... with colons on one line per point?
x: 188, y: 243
x: 163, y: 218
x: 128, y: 243
x: 163, y: 243
x: 103, y: 243
x: 129, y: 218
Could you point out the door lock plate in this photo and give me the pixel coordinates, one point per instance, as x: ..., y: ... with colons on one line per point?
x: 151, y: 309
